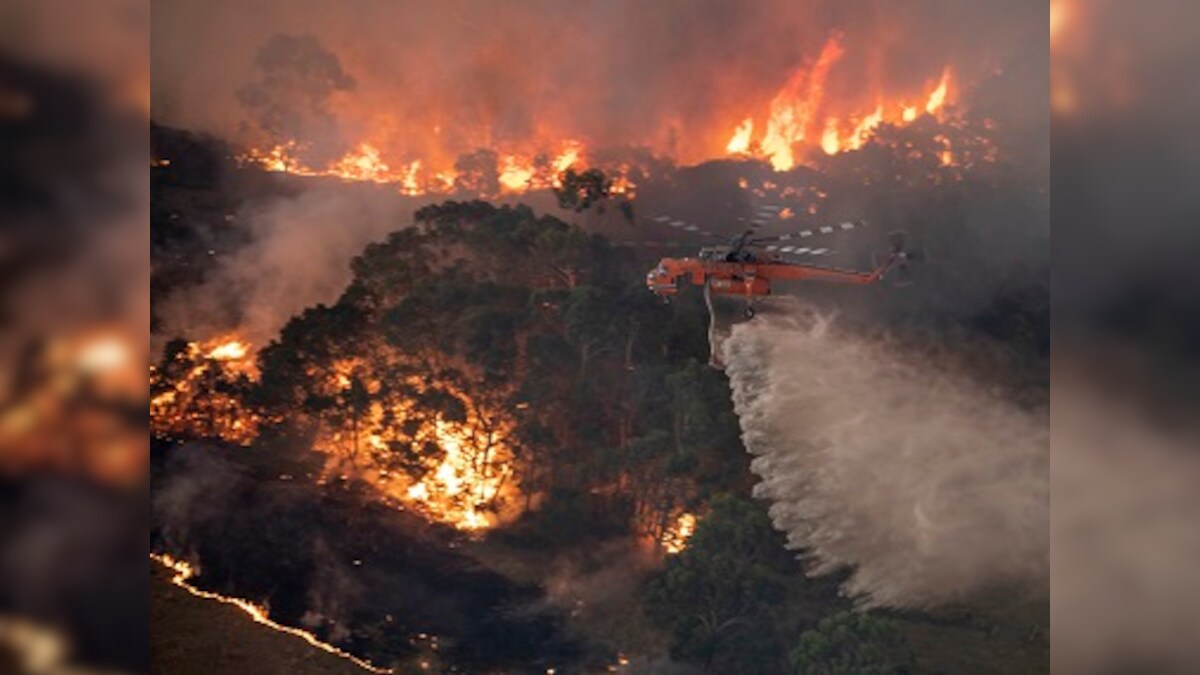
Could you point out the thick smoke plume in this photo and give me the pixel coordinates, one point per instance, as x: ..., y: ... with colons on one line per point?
x: 926, y: 485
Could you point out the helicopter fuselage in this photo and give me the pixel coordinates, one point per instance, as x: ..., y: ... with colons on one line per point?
x: 751, y: 276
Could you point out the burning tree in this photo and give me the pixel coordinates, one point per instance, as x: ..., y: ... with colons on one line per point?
x: 201, y: 391
x: 479, y: 364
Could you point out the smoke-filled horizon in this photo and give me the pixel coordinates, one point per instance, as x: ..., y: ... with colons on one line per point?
x: 427, y: 84
x: 927, y: 486
x: 431, y: 81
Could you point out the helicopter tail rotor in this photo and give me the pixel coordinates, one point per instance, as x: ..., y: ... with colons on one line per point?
x: 900, y: 258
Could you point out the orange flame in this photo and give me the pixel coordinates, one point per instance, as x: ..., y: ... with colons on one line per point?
x: 802, y: 119
x: 740, y: 143
x: 364, y: 164
x: 466, y: 484
x: 937, y: 99
x: 799, y: 113
x: 676, y: 536
x: 229, y: 350
x: 187, y: 408
x: 794, y: 109
x: 517, y: 172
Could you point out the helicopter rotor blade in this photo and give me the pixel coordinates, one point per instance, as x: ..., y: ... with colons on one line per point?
x: 806, y: 251
x: 685, y: 226
x: 762, y: 215
x: 822, y: 230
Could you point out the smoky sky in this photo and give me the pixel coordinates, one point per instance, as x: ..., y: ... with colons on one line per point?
x: 619, y: 73
x: 290, y: 98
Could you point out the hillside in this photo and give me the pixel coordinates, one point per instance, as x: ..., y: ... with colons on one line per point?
x: 193, y: 636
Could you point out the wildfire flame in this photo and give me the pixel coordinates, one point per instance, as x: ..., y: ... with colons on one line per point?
x: 184, y: 572
x: 937, y: 99
x: 517, y: 172
x: 740, y: 143
x: 187, y: 405
x: 675, y: 538
x: 803, y: 117
x: 452, y: 490
x: 798, y: 115
x: 230, y: 350
x: 464, y: 484
x: 794, y: 108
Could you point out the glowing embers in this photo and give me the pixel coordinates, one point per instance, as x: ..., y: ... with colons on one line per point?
x: 515, y: 172
x: 462, y: 486
x: 184, y: 572
x: 424, y: 443
x: 195, y: 392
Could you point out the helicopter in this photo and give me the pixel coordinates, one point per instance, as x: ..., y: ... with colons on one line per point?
x: 748, y: 265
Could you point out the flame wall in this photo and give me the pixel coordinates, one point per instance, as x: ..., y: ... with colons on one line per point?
x: 432, y: 81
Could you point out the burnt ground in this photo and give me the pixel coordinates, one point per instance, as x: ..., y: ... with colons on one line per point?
x: 193, y: 636
x: 355, y: 571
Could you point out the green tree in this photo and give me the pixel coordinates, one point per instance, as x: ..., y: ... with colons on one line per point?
x: 719, y: 599
x: 852, y: 643
x: 580, y: 191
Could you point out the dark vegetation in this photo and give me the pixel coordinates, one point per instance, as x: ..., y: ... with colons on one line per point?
x: 341, y: 563
x: 193, y: 636
x: 616, y: 423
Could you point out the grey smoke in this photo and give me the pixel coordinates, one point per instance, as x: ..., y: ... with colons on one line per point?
x: 926, y: 485
x: 299, y: 256
x: 456, y: 76
x: 290, y: 99
x: 199, y: 488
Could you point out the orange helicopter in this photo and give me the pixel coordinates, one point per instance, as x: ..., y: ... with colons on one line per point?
x: 748, y: 264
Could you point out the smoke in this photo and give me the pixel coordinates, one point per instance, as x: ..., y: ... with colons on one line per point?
x: 437, y: 80
x: 299, y: 255
x: 199, y: 489
x: 1124, y: 522
x: 74, y: 303
x: 333, y: 593
x: 291, y: 99
x: 1125, y: 596
x: 600, y: 581
x: 929, y: 487
x: 72, y: 559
